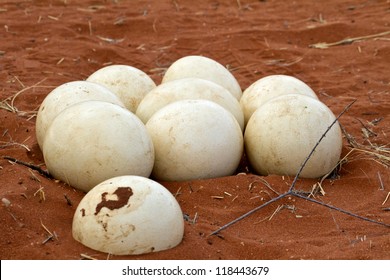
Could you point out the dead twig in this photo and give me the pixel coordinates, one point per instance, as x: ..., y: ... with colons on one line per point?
x: 348, y: 41
x: 51, y: 236
x: 29, y: 165
x: 68, y: 201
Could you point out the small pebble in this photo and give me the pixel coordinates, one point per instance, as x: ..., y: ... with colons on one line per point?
x: 6, y: 202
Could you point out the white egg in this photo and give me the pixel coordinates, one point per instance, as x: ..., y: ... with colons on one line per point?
x: 128, y: 215
x: 129, y: 83
x: 194, y: 139
x: 66, y: 95
x: 269, y: 87
x: 188, y: 88
x: 92, y: 141
x: 204, y: 68
x: 281, y: 134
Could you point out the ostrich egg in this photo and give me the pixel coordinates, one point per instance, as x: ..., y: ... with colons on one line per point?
x: 204, y: 68
x: 281, y: 134
x: 92, y: 141
x: 129, y: 83
x: 194, y: 139
x: 269, y: 87
x: 66, y: 95
x: 188, y: 88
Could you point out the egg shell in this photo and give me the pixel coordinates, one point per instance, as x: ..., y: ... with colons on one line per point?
x: 204, y: 68
x: 281, y: 134
x: 92, y: 141
x: 67, y: 95
x: 269, y: 87
x: 188, y: 88
x: 130, y: 84
x: 194, y: 139
x: 128, y: 215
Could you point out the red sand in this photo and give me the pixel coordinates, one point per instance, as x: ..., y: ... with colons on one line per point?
x: 44, y: 45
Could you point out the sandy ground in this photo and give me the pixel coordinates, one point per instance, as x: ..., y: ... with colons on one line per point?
x: 47, y: 43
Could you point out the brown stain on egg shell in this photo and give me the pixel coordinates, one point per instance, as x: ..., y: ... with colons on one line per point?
x: 123, y: 195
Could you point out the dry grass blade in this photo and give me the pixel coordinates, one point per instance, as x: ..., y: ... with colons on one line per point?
x: 86, y: 257
x: 387, y: 197
x: 275, y: 212
x: 6, y: 106
x: 381, y: 156
x: 348, y: 41
x: 9, y: 144
x: 380, y: 153
x: 9, y: 103
x: 23, y: 90
x: 110, y: 40
x: 265, y: 183
x: 46, y: 229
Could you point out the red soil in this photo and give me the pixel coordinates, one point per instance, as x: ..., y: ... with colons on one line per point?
x: 47, y: 43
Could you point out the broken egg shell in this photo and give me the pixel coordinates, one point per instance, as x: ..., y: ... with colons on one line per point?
x: 128, y: 215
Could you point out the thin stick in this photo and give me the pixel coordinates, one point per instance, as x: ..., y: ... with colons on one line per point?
x: 249, y: 213
x: 348, y: 40
x: 29, y: 165
x: 339, y: 210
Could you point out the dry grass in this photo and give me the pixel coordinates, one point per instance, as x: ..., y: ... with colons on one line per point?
x: 378, y: 153
x: 8, y: 103
x: 348, y: 41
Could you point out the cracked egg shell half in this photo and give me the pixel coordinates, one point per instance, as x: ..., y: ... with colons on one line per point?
x: 93, y: 141
x: 128, y: 215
